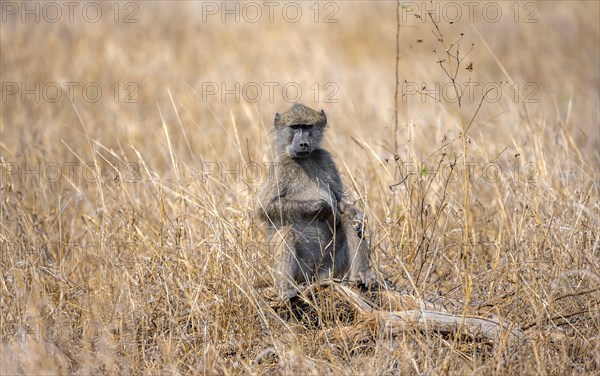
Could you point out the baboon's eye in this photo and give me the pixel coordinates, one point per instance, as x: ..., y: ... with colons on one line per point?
x: 301, y: 126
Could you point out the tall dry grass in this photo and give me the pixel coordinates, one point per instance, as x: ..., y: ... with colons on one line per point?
x: 128, y: 240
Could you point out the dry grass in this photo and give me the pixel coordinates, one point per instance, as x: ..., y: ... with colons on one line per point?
x: 128, y: 241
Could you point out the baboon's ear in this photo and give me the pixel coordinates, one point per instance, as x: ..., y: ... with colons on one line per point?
x: 276, y: 121
x: 323, y: 120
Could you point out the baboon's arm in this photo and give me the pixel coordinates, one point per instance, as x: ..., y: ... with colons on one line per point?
x: 283, y: 208
x: 355, y: 215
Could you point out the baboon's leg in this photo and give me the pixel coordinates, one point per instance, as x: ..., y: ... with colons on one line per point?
x: 358, y: 254
x: 333, y: 258
x: 288, y: 270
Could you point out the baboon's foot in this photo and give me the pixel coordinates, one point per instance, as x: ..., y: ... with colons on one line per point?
x: 368, y: 279
x: 287, y: 294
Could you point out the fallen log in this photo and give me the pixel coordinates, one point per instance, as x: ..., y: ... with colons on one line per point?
x: 474, y: 327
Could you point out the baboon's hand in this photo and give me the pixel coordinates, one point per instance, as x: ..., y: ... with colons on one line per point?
x: 357, y: 217
x: 359, y: 223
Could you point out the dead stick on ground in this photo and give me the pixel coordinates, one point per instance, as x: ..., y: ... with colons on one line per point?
x: 424, y: 320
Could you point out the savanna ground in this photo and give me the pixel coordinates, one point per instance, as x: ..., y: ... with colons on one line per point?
x: 133, y: 140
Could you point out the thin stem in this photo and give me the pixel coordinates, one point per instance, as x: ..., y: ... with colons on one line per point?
x: 397, y: 78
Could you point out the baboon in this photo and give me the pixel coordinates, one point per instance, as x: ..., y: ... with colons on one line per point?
x: 315, y: 230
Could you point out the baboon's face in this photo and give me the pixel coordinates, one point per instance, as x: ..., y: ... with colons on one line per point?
x: 302, y: 139
x: 299, y: 131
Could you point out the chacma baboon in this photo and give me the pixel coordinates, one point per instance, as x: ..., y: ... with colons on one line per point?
x: 316, y: 231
